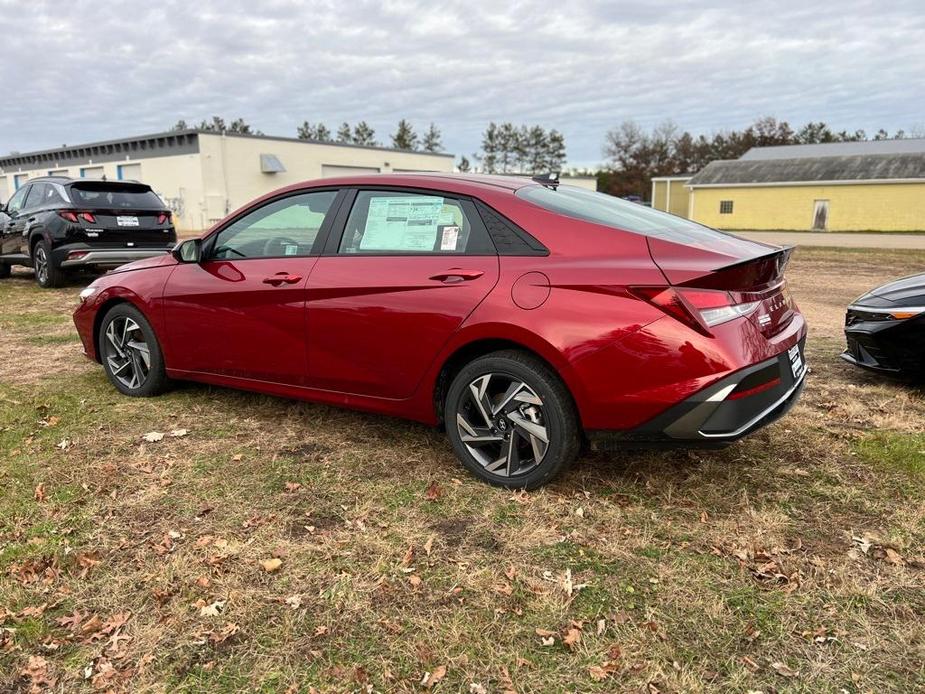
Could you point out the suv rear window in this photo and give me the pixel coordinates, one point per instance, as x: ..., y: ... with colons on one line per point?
x: 100, y: 195
x: 600, y: 208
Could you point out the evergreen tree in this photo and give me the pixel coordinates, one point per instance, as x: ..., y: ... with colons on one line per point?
x: 404, y: 136
x: 555, y: 151
x: 432, y: 141
x: 464, y: 166
x: 364, y: 135
x: 489, y: 155
x: 319, y: 133
x: 344, y: 134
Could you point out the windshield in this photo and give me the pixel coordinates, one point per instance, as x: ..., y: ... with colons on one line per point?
x: 115, y: 197
x: 599, y: 208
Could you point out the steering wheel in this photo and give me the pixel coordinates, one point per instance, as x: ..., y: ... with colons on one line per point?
x: 268, y: 245
x: 229, y: 249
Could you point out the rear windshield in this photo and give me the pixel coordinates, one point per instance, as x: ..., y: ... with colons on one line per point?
x: 115, y: 197
x: 623, y: 214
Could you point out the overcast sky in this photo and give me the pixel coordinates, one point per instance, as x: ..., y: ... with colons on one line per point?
x: 80, y: 71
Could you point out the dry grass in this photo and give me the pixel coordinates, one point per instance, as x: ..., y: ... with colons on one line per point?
x: 789, y: 562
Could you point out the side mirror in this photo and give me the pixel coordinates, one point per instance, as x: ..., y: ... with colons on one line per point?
x: 189, y: 251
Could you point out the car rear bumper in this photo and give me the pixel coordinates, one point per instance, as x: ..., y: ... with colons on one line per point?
x: 729, y: 409
x: 107, y: 257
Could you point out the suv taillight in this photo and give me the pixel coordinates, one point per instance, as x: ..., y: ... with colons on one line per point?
x: 68, y: 216
x: 163, y: 218
x: 87, y: 217
x: 700, y: 309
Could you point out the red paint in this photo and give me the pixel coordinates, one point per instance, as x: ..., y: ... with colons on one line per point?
x: 373, y: 332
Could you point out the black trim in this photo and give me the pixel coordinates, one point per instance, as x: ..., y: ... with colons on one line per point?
x: 508, y: 238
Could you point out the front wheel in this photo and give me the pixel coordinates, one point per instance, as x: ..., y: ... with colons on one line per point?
x: 131, y: 354
x: 511, y: 420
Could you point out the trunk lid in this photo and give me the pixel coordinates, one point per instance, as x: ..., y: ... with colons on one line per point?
x: 749, y: 271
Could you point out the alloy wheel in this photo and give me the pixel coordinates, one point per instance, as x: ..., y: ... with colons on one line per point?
x: 127, y: 352
x: 41, y: 265
x: 502, y: 424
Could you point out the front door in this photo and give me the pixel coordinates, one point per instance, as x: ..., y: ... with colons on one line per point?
x: 240, y: 312
x: 820, y: 215
x: 13, y: 223
x: 407, y: 271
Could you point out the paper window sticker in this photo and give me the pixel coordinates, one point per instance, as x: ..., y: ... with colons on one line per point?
x: 450, y: 238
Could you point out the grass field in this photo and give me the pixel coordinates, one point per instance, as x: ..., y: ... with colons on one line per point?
x: 270, y: 545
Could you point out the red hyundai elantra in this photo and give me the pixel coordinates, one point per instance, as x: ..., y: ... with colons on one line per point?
x: 524, y: 316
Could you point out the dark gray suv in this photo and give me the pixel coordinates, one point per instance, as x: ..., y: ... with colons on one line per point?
x: 57, y: 224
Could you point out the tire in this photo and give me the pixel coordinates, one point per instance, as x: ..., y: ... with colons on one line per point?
x: 47, y: 273
x: 527, y: 401
x: 5, y: 271
x: 131, y: 354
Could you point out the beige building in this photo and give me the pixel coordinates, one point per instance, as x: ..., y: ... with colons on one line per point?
x: 671, y: 194
x: 204, y: 176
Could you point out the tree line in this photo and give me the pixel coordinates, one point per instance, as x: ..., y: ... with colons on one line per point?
x: 523, y: 149
x: 635, y: 155
x: 405, y: 136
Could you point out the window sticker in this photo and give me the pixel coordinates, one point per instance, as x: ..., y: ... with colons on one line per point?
x: 406, y: 223
x: 450, y: 238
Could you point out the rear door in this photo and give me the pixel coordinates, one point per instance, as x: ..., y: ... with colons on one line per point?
x: 390, y: 290
x: 240, y: 312
x: 13, y: 223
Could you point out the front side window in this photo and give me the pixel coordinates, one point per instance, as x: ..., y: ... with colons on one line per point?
x: 386, y: 222
x: 15, y: 203
x: 607, y: 210
x: 281, y: 228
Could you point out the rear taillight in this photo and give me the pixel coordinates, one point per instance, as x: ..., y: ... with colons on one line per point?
x: 163, y: 218
x: 699, y: 309
x: 68, y: 216
x: 88, y: 217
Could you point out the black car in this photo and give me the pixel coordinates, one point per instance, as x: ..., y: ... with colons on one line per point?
x: 885, y: 329
x: 58, y: 225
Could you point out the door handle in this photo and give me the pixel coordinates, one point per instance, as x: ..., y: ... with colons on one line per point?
x: 281, y: 278
x: 456, y: 274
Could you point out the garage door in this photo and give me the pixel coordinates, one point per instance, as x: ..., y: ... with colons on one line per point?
x: 92, y: 172
x: 129, y: 172
x: 4, y: 190
x: 330, y: 171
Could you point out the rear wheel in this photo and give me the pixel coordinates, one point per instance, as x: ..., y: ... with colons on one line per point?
x: 131, y: 354
x: 511, y: 421
x: 47, y: 273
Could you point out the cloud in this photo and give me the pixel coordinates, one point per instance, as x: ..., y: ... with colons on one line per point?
x: 87, y: 70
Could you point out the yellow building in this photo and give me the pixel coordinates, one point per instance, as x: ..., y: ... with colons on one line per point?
x: 204, y: 176
x: 671, y: 194
x: 846, y: 186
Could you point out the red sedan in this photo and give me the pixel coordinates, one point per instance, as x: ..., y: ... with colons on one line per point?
x: 523, y: 316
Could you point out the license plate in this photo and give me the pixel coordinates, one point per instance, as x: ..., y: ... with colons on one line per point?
x: 127, y: 221
x: 796, y: 361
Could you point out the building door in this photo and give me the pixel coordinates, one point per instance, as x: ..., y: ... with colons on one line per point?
x: 820, y: 215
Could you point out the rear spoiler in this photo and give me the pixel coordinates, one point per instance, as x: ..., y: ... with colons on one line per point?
x: 99, y: 184
x: 760, y: 271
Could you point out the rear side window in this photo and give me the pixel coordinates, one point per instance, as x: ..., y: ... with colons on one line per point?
x: 600, y: 208
x: 100, y: 196
x: 45, y: 195
x: 396, y: 223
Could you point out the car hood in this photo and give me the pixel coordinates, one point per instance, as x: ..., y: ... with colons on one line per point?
x: 906, y: 291
x: 156, y: 261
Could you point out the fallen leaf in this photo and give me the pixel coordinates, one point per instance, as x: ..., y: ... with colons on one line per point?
x: 433, y: 678
x: 414, y: 580
x: 544, y: 632
x: 40, y: 492
x: 428, y: 545
x: 597, y: 673
x: 572, y: 637
x: 409, y: 556
x: 548, y: 641
x: 153, y: 436
x: 294, y: 601
x: 271, y: 565
x: 784, y: 671
x: 64, y: 444
x: 892, y: 555
x: 293, y: 487
x: 212, y: 610
x: 223, y: 634
x: 433, y: 491
x: 177, y: 433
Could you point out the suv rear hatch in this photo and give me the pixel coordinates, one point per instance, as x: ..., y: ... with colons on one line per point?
x: 118, y: 212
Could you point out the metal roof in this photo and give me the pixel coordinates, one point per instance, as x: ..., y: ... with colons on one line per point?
x: 836, y: 149
x: 835, y: 169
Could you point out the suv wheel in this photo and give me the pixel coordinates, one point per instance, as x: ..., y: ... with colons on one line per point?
x: 130, y: 353
x: 511, y: 421
x: 47, y: 273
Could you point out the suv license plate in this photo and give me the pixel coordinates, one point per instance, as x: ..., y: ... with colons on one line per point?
x: 796, y: 361
x: 127, y: 221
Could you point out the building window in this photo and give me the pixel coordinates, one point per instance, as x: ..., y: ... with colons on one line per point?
x: 725, y: 206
